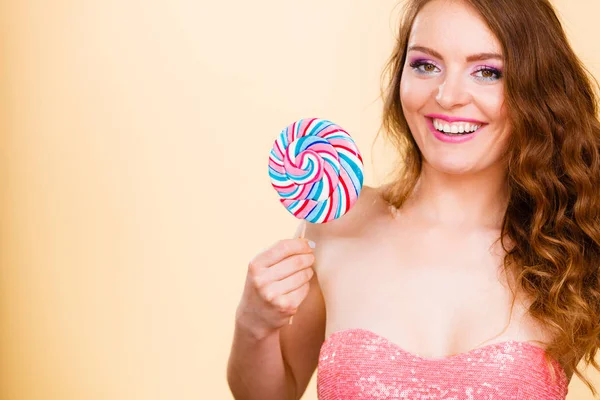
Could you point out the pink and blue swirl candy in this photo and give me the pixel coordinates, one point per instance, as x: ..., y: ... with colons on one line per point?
x: 316, y: 168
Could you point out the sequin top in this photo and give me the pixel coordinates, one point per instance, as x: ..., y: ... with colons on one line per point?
x: 360, y: 364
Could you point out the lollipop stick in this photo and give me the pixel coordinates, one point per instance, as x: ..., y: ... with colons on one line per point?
x: 303, y: 229
x: 302, y: 233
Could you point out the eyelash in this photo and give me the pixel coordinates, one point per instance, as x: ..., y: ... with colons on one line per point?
x: 498, y: 75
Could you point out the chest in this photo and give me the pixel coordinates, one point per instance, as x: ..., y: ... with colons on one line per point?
x: 434, y: 292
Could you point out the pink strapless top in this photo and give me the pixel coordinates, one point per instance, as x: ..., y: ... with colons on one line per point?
x: 359, y: 364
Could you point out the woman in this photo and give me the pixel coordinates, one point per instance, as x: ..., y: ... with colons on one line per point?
x: 475, y: 273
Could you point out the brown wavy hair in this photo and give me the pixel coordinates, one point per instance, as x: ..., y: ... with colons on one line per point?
x: 552, y: 220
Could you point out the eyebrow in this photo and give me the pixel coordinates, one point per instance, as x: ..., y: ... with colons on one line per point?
x: 471, y: 58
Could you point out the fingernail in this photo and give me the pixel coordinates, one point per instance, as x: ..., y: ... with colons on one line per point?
x: 312, y: 244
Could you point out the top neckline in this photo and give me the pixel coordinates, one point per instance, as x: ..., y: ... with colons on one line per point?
x: 450, y: 357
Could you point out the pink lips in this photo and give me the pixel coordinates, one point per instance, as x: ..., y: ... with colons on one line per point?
x: 453, y: 139
x: 454, y: 119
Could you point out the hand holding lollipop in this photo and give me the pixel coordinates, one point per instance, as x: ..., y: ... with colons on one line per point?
x: 317, y: 170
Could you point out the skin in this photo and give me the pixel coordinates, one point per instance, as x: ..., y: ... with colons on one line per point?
x: 427, y: 277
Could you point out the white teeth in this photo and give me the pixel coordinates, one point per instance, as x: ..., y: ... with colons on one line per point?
x: 455, y: 127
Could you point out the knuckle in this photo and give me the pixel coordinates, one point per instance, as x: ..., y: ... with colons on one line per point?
x: 310, y: 258
x: 282, y: 305
x: 252, y: 266
x: 268, y: 295
x: 257, y: 281
x: 275, y: 253
x: 297, y: 262
x: 293, y: 305
x: 309, y: 274
x: 283, y: 246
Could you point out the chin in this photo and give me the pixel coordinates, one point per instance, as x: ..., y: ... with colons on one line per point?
x: 453, y: 168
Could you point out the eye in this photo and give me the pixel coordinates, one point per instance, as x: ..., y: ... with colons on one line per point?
x: 423, y: 67
x: 488, y: 74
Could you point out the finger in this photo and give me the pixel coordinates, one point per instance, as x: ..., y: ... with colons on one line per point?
x: 288, y: 303
x: 280, y: 251
x: 288, y: 285
x: 285, y: 268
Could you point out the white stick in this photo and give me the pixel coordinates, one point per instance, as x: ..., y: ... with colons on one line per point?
x: 301, y: 237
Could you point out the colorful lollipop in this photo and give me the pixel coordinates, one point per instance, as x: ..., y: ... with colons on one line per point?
x: 316, y: 168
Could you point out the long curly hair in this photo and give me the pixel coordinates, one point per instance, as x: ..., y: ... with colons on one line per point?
x: 552, y: 220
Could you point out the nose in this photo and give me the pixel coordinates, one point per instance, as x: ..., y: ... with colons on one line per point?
x: 452, y: 92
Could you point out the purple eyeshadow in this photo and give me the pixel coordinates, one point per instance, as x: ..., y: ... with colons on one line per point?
x: 490, y: 67
x: 420, y: 60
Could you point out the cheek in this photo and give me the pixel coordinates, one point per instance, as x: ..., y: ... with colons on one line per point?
x: 414, y: 92
x: 492, y: 104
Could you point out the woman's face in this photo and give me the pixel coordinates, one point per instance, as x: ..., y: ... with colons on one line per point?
x: 452, y: 83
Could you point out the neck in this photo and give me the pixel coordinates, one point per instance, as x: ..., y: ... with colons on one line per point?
x: 466, y: 200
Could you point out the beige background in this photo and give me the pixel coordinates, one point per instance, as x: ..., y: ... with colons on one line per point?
x: 134, y: 187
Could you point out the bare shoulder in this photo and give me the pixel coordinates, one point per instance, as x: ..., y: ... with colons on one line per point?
x: 301, y: 342
x: 334, y: 238
x: 369, y: 207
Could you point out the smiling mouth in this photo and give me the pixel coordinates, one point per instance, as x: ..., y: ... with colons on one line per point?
x: 455, y: 128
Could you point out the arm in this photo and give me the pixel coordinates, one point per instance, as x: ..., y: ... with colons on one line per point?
x: 280, y: 365
x: 277, y: 363
x: 256, y: 369
x: 301, y: 342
